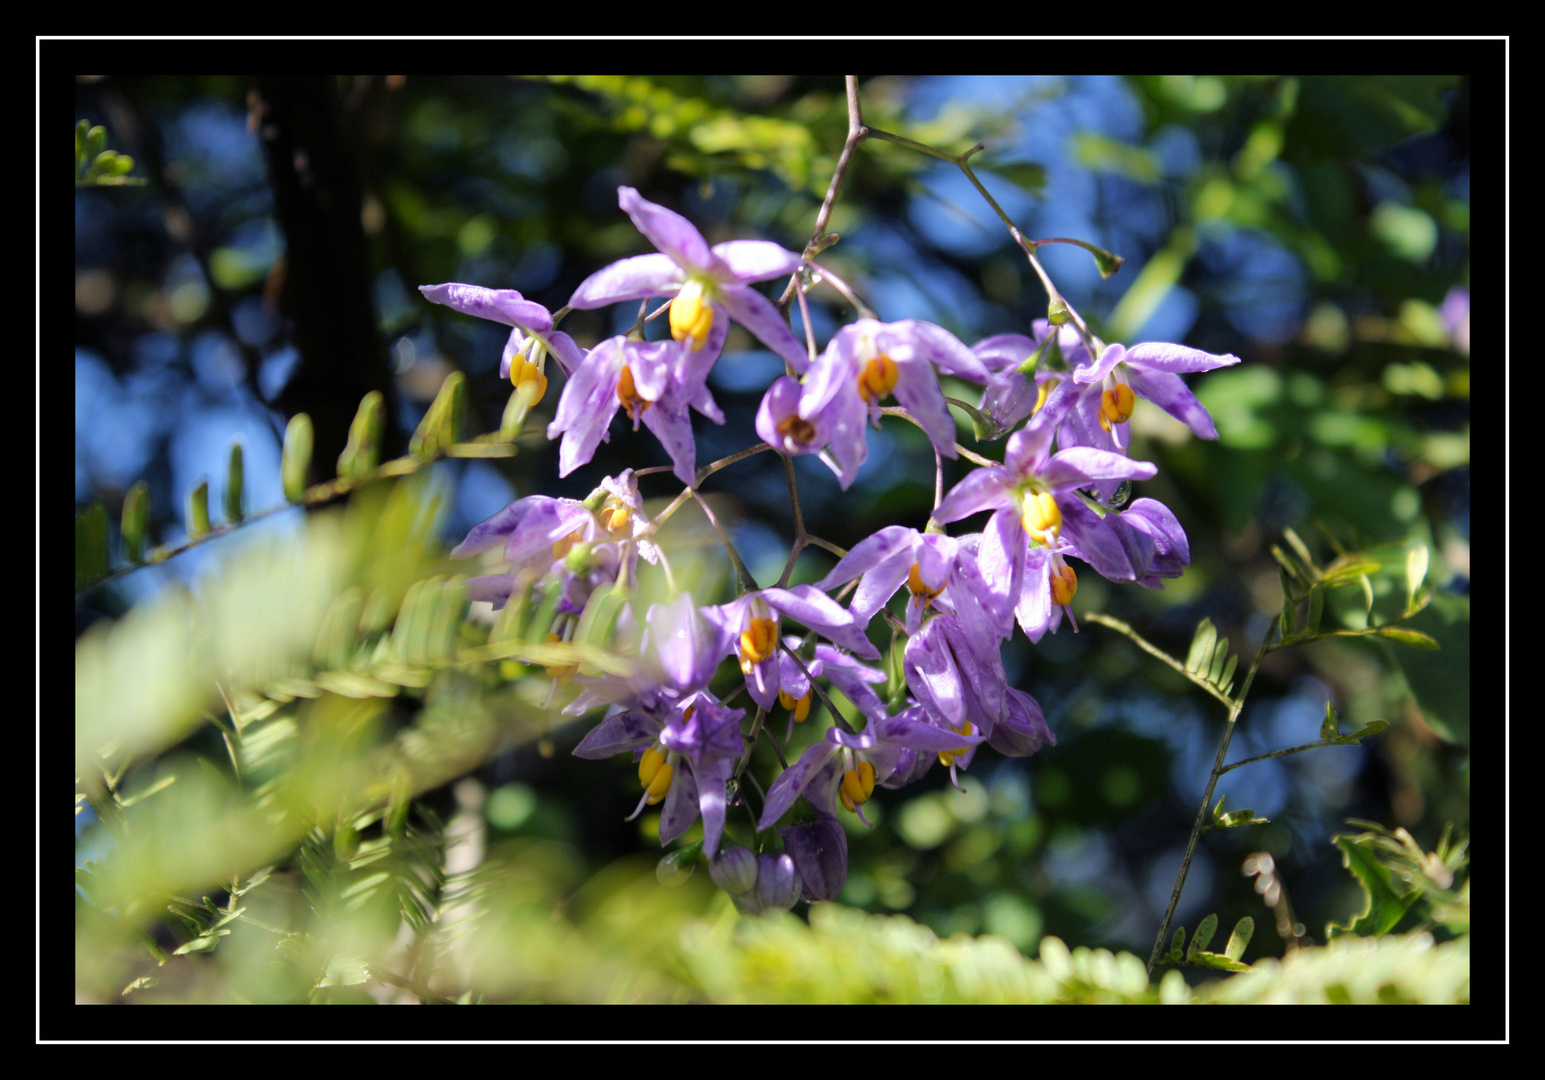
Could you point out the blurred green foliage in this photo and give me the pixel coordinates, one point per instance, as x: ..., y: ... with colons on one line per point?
x: 308, y: 753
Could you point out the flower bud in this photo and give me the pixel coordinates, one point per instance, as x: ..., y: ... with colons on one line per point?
x: 734, y: 869
x: 777, y: 883
x: 820, y: 852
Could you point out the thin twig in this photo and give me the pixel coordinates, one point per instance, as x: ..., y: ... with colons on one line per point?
x: 1201, y: 814
x: 742, y: 575
x: 1155, y: 651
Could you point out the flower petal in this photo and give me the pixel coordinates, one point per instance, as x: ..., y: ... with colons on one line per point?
x: 499, y: 305
x: 757, y: 260
x: 756, y: 313
x: 671, y: 233
x: 628, y: 279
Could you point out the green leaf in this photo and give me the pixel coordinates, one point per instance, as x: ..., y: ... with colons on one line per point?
x: 1332, y: 723
x: 136, y: 520
x: 1219, y: 657
x: 203, y: 943
x: 1244, y: 929
x: 1373, y: 727
x: 1202, y: 644
x: 1416, y: 572
x: 442, y: 424
x: 1302, y: 552
x: 160, y: 785
x: 1385, y: 904
x: 1203, y: 936
x: 144, y: 982
x: 363, y: 451
x: 90, y: 545
x: 345, y: 971
x: 1414, y: 638
x: 295, y: 461
x: 1177, y: 943
x: 234, y: 481
x: 1316, y: 608
x: 198, y: 510
x: 1288, y: 603
x: 1226, y: 683
x: 1349, y: 568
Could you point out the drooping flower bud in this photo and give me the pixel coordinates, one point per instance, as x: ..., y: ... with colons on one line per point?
x: 777, y: 883
x: 733, y: 869
x: 820, y: 852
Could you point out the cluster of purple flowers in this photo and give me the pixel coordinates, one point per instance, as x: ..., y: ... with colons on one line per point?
x: 965, y: 593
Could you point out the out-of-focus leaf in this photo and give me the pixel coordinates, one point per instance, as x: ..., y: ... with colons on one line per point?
x: 1414, y: 638
x: 90, y: 545
x: 295, y: 462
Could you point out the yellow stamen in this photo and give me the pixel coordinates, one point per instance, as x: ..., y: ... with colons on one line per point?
x: 796, y: 428
x: 654, y: 772
x: 627, y: 393
x: 1040, y: 516
x: 691, y: 317
x: 757, y: 642
x: 947, y: 757
x: 920, y: 588
x: 523, y: 373
x: 1064, y: 583
x: 1116, y: 405
x: 1042, y: 392
x: 800, y: 708
x: 857, y: 785
x: 878, y: 378
x: 615, y: 516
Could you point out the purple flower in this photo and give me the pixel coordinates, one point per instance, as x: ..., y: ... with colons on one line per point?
x: 1022, y: 731
x: 530, y: 339
x: 820, y: 852
x: 1011, y: 395
x: 793, y: 422
x: 685, y: 762
x: 1039, y: 519
x: 709, y: 284
x: 654, y: 381
x: 1151, y: 371
x: 748, y: 628
x: 893, y: 557
x: 867, y: 361
x: 954, y: 668
x: 538, y: 534
x: 847, y: 767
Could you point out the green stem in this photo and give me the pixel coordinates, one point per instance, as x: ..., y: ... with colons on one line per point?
x: 1197, y: 829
